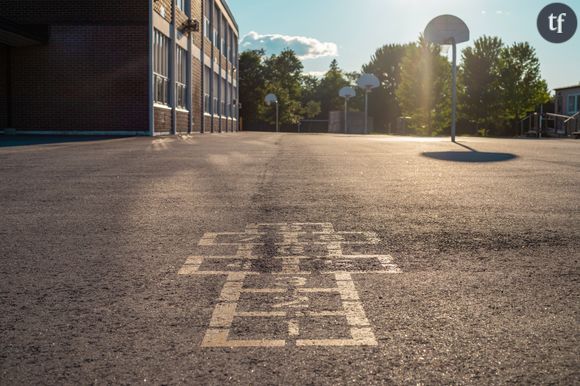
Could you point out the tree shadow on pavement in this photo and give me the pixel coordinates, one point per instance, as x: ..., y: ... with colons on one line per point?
x: 469, y: 156
x: 31, y: 140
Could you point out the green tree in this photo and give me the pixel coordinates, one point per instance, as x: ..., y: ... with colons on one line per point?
x: 358, y: 102
x: 312, y: 106
x: 425, y: 88
x: 386, y: 65
x: 311, y: 109
x: 328, y: 89
x: 252, y: 86
x: 283, y: 77
x: 522, y: 86
x: 310, y: 85
x: 480, y: 81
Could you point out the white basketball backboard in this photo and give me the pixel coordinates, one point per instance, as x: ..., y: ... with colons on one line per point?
x: 447, y: 29
x: 271, y: 98
x: 347, y: 92
x: 368, y: 82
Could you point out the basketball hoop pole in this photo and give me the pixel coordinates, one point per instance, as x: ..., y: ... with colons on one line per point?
x: 454, y: 92
x: 277, y: 118
x: 449, y: 30
x: 346, y: 93
x: 367, y: 111
x: 345, y: 115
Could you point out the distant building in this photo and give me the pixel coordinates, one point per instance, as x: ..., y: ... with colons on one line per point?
x: 137, y: 67
x: 568, y: 103
x: 568, y: 100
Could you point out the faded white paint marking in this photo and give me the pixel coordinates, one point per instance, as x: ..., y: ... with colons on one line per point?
x: 291, y: 299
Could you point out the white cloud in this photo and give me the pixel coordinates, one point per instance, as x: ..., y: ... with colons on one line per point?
x: 316, y: 74
x: 305, y: 47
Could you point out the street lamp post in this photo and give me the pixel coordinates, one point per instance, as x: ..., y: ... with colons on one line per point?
x: 449, y: 30
x: 271, y: 98
x: 346, y: 93
x: 368, y: 82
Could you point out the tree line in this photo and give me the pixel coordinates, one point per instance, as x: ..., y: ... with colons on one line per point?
x: 498, y: 85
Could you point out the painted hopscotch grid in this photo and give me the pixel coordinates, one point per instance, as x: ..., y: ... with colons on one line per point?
x: 299, y: 252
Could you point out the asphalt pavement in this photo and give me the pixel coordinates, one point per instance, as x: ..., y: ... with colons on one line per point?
x: 262, y: 258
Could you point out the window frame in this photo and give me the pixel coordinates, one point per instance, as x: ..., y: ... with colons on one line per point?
x: 574, y: 107
x: 215, y: 87
x: 181, y: 78
x: 207, y: 19
x: 161, y: 68
x: 207, y: 90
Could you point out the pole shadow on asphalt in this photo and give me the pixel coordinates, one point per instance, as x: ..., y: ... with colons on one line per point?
x: 472, y: 155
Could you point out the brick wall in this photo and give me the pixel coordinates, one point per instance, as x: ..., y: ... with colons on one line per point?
x: 162, y: 120
x: 207, y: 122
x: 3, y: 86
x: 85, y: 78
x: 74, y: 11
x: 196, y: 94
x: 197, y: 14
x: 182, y: 122
x: 163, y: 5
x: 93, y: 73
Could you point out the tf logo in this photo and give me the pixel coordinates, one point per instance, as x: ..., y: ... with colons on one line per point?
x: 557, y: 23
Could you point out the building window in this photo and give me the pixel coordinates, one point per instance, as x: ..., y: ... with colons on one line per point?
x: 235, y: 103
x: 206, y: 19
x: 181, y: 78
x: 222, y: 97
x: 215, y: 94
x: 231, y: 100
x: 235, y: 61
x: 206, y: 27
x: 223, y: 37
x: 229, y: 44
x: 161, y: 68
x: 214, y: 24
x: 181, y: 4
x: 207, y: 89
x: 573, y: 104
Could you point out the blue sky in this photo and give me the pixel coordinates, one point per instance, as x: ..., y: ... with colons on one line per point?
x: 351, y: 30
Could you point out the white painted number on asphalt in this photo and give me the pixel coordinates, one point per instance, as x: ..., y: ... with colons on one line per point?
x: 278, y: 269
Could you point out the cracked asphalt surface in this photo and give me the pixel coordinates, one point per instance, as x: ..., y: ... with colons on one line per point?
x: 486, y: 234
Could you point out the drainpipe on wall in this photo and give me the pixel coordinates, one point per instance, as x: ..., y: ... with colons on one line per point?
x: 220, y: 79
x: 212, y: 58
x: 150, y: 71
x: 202, y: 60
x: 173, y: 69
x: 189, y: 79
